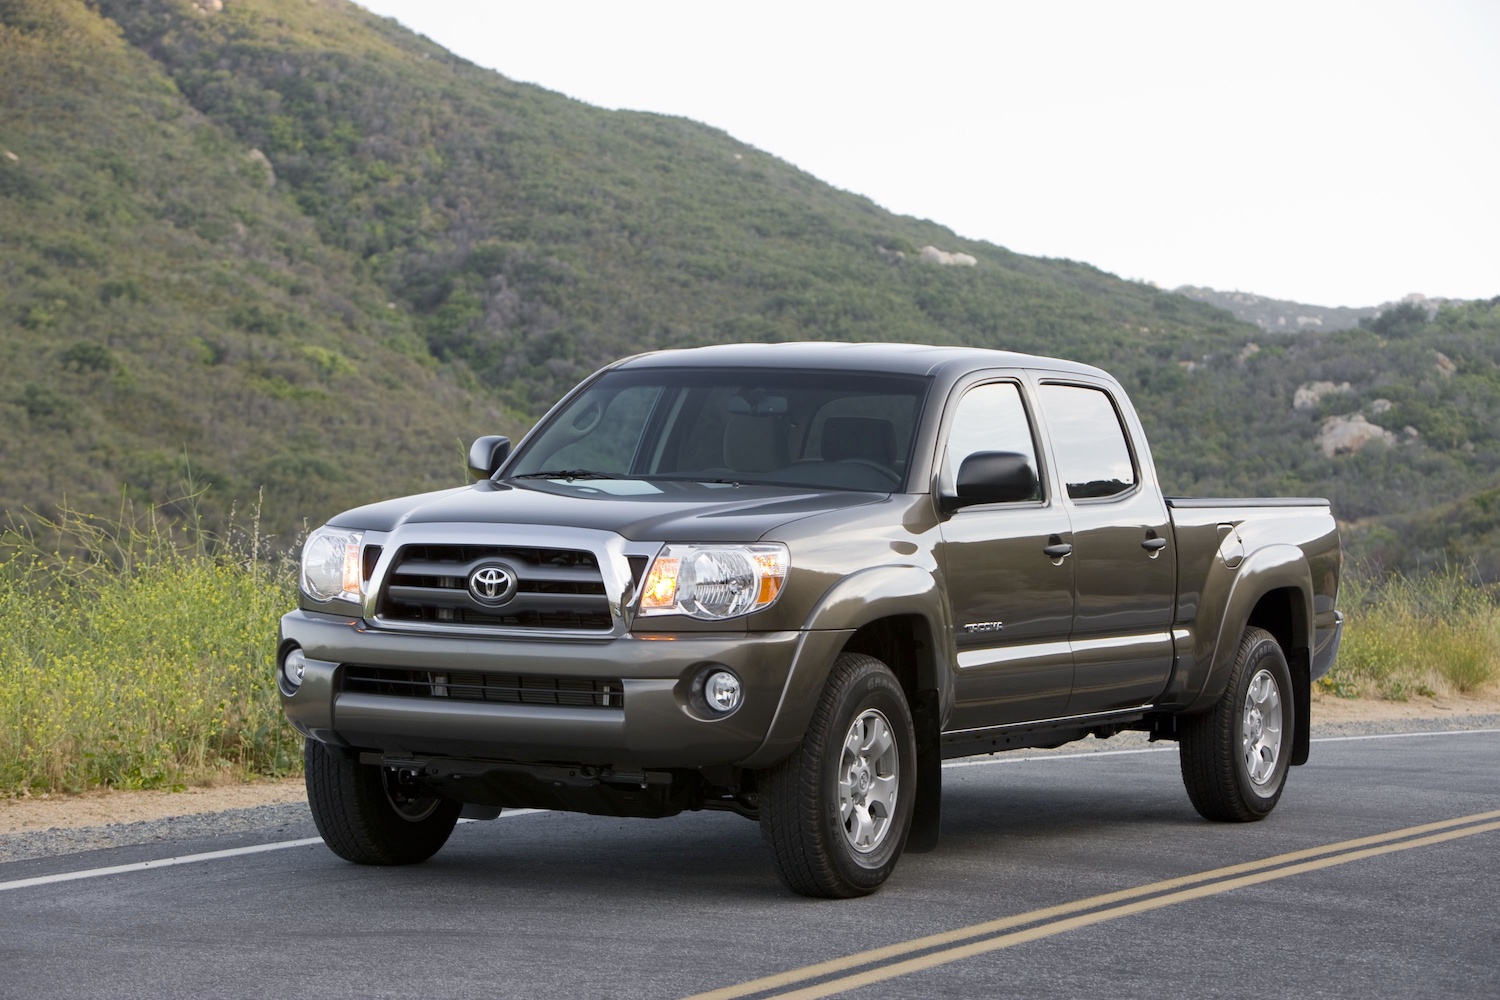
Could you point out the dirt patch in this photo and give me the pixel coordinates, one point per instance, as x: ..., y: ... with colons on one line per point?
x: 1327, y: 708
x: 107, y: 806
x: 103, y: 808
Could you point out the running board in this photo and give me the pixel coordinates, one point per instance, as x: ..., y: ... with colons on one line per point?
x: 1039, y: 733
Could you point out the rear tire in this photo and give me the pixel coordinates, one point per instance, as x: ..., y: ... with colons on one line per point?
x: 1235, y: 756
x: 835, y: 814
x: 368, y: 816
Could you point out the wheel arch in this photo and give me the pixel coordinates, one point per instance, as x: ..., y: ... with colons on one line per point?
x: 1272, y: 591
x: 893, y: 613
x: 903, y: 642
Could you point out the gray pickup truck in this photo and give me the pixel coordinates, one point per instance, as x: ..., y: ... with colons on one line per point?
x: 788, y: 581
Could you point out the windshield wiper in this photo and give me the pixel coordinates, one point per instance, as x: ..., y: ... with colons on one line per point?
x: 567, y: 474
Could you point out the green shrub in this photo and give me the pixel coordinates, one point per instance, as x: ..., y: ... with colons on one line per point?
x: 133, y: 657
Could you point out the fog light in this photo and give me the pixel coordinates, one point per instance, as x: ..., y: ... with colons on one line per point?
x: 722, y: 691
x: 293, y: 667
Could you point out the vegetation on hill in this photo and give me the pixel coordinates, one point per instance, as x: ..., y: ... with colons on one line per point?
x: 166, y: 314
x: 291, y: 245
x: 1228, y: 424
x: 536, y: 237
x: 1281, y: 315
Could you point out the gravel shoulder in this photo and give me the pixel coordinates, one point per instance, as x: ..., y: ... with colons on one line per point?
x: 47, y: 826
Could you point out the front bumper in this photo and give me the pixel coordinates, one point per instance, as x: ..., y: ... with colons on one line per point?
x: 654, y: 726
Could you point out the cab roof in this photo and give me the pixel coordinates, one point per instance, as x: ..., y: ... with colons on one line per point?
x: 896, y: 359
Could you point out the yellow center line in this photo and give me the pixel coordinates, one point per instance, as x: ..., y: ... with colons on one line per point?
x: 1237, y: 875
x: 1140, y: 906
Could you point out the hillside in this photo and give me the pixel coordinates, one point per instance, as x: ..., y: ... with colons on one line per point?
x: 168, y: 316
x: 290, y: 244
x: 1280, y: 315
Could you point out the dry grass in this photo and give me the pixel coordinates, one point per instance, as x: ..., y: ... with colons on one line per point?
x: 1439, y: 634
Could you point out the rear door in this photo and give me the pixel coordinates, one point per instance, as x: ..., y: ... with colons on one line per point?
x: 1012, y: 603
x: 1123, y: 566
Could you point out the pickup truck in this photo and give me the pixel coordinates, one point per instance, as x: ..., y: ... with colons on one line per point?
x: 789, y: 581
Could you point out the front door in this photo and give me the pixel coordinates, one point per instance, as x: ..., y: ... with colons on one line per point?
x: 1012, y: 602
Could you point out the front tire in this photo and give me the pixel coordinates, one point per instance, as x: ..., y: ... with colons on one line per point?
x: 367, y: 815
x: 835, y: 814
x: 1235, y: 756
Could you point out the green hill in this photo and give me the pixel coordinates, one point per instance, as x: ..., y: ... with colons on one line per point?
x: 297, y: 246
x: 166, y: 312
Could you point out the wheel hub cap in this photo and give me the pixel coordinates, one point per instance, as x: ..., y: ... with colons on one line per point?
x: 868, y: 781
x: 1260, y: 745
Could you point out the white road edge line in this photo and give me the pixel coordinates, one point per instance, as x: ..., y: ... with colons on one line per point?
x: 1402, y: 736
x: 1086, y: 755
x: 188, y: 859
x: 140, y: 866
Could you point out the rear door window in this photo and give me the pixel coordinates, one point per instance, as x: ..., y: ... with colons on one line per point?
x: 1088, y: 440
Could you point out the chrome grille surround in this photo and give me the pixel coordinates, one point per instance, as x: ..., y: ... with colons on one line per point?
x: 577, y: 583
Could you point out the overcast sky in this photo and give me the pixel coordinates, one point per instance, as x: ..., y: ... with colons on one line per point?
x: 1337, y: 153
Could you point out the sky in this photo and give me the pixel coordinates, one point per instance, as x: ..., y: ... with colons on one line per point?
x: 1333, y: 153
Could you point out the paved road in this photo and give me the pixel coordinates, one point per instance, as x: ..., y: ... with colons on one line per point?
x: 551, y: 904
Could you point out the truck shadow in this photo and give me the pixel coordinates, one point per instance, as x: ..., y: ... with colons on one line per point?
x: 715, y: 856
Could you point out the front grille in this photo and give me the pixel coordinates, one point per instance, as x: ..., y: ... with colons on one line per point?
x: 513, y: 689
x: 554, y: 588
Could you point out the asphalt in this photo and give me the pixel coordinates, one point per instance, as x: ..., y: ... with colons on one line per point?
x: 575, y: 906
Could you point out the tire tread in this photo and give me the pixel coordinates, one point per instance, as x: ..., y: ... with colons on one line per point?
x: 1208, y: 751
x: 356, y: 821
x: 791, y: 796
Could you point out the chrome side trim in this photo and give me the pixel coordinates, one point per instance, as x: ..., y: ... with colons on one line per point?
x: 994, y: 656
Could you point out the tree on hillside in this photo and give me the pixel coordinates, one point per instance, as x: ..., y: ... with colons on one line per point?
x: 1400, y: 320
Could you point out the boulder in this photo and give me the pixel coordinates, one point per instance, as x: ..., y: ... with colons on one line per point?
x: 1347, y: 435
x: 933, y: 255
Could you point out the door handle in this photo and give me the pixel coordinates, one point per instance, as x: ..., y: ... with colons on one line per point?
x: 1154, y: 544
x: 1058, y: 550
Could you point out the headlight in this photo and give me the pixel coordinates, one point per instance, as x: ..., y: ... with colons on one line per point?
x: 331, y: 565
x: 711, y: 582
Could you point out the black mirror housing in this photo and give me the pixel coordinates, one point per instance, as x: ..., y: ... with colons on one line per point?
x: 994, y: 477
x: 486, y: 455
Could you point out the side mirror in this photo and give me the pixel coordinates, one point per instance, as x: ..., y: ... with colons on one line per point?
x: 994, y: 477
x: 486, y: 455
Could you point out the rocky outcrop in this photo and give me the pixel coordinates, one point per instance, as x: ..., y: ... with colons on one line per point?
x: 933, y: 255
x: 1308, y: 397
x: 1348, y: 435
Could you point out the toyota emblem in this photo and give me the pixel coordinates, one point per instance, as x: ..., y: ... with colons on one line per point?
x: 492, y: 584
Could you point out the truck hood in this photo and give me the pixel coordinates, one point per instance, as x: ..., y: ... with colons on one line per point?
x: 640, y: 511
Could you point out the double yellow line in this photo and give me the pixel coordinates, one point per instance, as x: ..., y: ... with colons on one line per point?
x: 977, y: 939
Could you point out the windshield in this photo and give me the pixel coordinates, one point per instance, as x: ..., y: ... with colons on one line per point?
x: 827, y: 430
